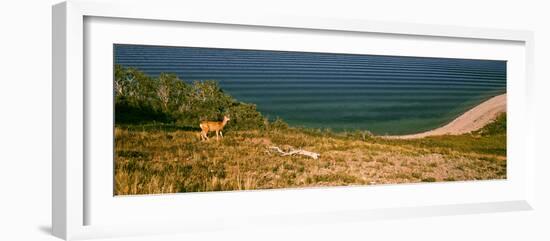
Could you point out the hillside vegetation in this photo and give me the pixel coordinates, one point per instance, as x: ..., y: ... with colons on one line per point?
x: 141, y: 99
x: 158, y: 149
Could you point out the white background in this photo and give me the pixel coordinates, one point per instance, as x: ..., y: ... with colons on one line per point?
x: 25, y: 123
x: 233, y: 206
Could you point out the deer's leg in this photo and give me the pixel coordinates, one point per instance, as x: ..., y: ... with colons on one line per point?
x: 221, y: 134
x: 217, y: 135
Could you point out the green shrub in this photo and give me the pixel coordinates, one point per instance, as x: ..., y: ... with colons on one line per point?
x: 278, y: 124
x: 141, y: 99
x: 244, y: 116
x: 497, y: 127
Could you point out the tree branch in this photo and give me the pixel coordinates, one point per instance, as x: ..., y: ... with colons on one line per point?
x: 313, y: 155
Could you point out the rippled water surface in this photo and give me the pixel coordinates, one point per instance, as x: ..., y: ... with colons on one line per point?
x: 382, y: 94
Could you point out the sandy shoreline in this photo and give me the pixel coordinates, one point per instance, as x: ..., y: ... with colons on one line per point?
x: 472, y: 120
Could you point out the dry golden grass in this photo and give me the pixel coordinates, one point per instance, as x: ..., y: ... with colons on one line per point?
x: 170, y: 161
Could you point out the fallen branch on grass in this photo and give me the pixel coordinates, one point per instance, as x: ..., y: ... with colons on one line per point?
x: 296, y: 152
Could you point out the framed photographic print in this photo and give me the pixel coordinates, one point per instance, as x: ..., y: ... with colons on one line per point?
x: 174, y: 121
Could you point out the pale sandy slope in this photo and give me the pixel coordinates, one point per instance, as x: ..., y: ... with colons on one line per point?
x: 472, y: 120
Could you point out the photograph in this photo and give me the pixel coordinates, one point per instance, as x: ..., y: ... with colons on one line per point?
x: 200, y: 119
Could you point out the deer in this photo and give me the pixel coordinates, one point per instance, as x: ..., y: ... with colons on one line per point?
x: 217, y: 126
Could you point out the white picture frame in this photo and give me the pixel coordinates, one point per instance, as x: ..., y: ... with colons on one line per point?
x: 72, y: 192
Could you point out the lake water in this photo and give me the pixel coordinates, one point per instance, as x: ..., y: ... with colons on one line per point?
x: 382, y: 94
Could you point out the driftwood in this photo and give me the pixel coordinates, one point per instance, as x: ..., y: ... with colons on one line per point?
x: 296, y: 152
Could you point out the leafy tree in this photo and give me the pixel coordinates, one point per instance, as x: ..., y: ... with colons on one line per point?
x: 168, y: 99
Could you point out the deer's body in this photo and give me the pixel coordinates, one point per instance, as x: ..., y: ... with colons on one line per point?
x: 216, y: 126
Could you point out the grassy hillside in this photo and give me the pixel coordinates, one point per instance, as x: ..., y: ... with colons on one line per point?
x: 158, y: 149
x: 167, y: 158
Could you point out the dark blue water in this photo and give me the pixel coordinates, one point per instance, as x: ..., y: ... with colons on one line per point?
x: 382, y: 94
